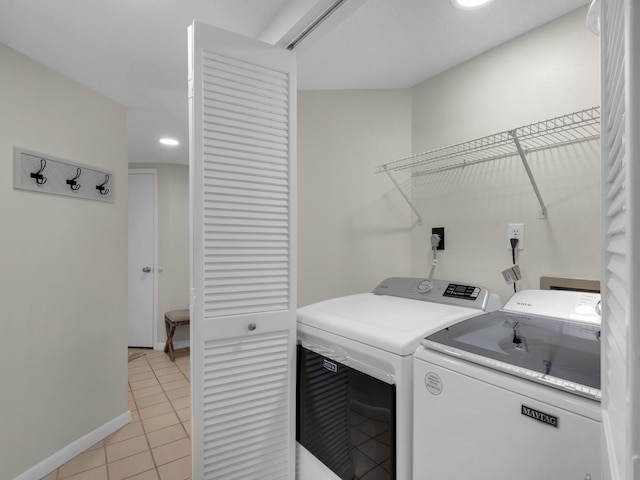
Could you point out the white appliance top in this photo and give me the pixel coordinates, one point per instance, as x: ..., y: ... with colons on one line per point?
x: 550, y: 337
x: 399, y: 313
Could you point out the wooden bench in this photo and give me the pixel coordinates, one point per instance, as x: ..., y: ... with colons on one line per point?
x: 174, y: 319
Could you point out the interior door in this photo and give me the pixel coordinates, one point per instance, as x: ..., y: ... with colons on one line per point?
x: 142, y: 251
x: 620, y: 146
x: 242, y: 179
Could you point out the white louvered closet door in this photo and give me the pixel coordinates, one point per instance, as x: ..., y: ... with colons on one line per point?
x: 242, y: 100
x: 620, y: 43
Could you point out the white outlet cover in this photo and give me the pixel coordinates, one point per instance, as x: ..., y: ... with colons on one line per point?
x: 515, y: 230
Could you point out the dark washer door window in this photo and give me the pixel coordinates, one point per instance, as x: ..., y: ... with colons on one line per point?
x: 345, y: 418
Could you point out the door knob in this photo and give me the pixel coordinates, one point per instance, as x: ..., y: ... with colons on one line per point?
x: 146, y: 269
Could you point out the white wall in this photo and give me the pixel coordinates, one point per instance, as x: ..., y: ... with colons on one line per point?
x: 173, y: 246
x: 548, y: 72
x: 352, y: 233
x: 63, y: 286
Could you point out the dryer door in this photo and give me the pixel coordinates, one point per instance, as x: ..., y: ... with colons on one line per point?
x: 345, y: 418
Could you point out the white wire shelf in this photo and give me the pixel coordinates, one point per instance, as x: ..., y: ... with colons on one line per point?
x: 556, y: 132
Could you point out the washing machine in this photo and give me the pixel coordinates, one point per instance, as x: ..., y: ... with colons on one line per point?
x: 513, y: 393
x: 355, y: 374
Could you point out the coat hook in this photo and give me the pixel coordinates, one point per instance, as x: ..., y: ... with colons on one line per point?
x: 103, y: 190
x: 72, y: 182
x: 40, y: 179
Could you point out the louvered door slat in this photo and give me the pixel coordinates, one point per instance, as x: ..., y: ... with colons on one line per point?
x: 240, y: 110
x: 253, y: 184
x: 245, y: 199
x: 244, y: 179
x: 243, y: 281
x: 223, y: 119
x: 243, y: 165
x: 219, y: 267
x: 247, y: 207
x: 228, y: 130
x: 250, y: 75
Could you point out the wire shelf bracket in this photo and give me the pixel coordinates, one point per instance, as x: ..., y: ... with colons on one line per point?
x: 404, y: 195
x: 556, y: 132
x: 525, y: 163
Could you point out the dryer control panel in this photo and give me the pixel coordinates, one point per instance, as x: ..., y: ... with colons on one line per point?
x: 439, y: 291
x: 468, y: 292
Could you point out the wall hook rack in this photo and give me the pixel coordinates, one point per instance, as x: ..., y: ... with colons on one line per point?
x: 101, y: 188
x: 39, y: 178
x: 75, y: 186
x: 62, y: 175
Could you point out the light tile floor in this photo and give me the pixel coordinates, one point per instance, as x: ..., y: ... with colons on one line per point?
x: 156, y: 445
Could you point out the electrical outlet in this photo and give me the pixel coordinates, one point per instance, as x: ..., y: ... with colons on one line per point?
x: 439, y: 231
x: 515, y: 230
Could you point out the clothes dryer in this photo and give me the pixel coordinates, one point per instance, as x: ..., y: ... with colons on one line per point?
x: 355, y: 374
x: 513, y: 393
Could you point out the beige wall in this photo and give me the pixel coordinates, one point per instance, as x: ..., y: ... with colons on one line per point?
x: 354, y: 226
x: 548, y: 72
x: 173, y: 246
x: 63, y: 287
x: 351, y: 231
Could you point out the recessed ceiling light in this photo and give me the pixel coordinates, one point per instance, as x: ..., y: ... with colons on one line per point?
x: 169, y: 141
x: 470, y: 4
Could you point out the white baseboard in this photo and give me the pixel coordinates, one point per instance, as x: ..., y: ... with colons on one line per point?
x: 176, y: 345
x: 74, y: 449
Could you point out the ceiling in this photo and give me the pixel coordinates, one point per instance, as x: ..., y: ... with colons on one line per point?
x: 135, y: 51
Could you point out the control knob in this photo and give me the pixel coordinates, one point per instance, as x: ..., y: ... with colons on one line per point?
x: 424, y: 286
